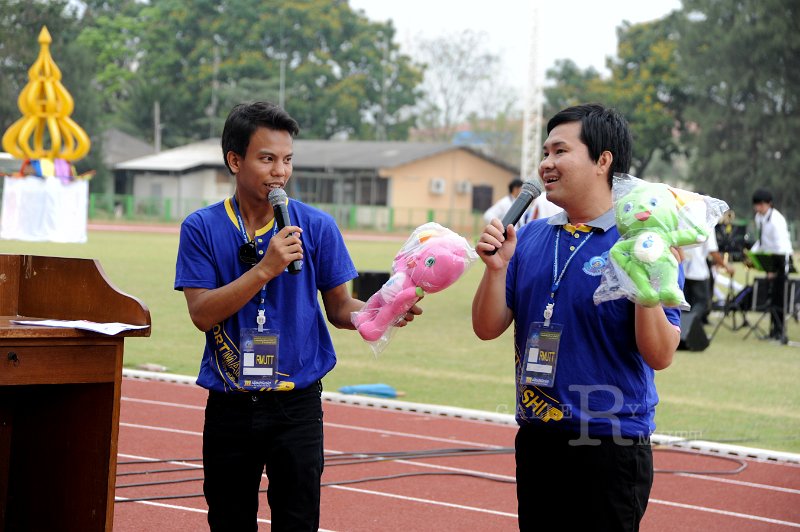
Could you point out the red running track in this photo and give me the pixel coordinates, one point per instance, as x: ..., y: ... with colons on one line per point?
x: 164, y: 420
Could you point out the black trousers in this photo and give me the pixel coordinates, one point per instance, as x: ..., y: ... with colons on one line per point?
x: 698, y: 295
x: 776, y: 289
x: 246, y: 434
x: 568, y: 487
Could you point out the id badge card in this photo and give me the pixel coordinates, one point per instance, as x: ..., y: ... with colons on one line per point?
x: 259, y: 363
x: 541, y: 355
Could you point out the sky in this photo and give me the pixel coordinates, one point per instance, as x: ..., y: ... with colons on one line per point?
x: 581, y: 30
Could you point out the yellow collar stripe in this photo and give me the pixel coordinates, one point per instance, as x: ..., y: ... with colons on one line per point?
x: 580, y: 227
x: 232, y: 217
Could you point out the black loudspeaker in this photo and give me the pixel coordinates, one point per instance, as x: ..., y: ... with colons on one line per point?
x: 367, y: 283
x: 693, y: 337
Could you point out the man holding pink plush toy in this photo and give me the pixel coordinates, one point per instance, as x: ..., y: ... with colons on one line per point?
x: 251, y: 269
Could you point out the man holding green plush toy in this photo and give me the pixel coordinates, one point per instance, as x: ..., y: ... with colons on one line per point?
x: 584, y: 372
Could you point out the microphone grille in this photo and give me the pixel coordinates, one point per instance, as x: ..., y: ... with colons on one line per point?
x: 277, y: 196
x: 534, y: 188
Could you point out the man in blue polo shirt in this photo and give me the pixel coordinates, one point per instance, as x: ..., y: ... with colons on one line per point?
x: 585, y: 373
x: 267, y: 344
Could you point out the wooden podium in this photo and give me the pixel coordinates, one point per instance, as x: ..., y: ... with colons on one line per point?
x: 60, y: 393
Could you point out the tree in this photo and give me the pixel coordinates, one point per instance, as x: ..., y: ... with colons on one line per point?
x: 342, y: 74
x: 111, y: 32
x: 645, y: 86
x: 498, y: 136
x: 742, y: 60
x: 573, y: 86
x: 456, y: 68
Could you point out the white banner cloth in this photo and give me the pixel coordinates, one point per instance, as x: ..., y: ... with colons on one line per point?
x: 44, y: 210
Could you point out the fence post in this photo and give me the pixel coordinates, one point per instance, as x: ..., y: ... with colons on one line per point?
x: 91, y: 206
x: 167, y: 209
x: 351, y: 222
x: 129, y: 207
x: 430, y: 215
x: 391, y: 219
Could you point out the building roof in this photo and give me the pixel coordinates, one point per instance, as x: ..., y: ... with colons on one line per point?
x: 309, y: 154
x: 118, y: 146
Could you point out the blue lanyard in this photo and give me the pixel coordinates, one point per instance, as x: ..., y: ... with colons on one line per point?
x: 239, y: 218
x: 261, y: 319
x: 548, y: 311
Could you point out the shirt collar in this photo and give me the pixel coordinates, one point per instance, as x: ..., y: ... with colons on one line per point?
x: 604, y: 222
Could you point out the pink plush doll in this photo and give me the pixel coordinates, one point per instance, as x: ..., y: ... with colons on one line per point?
x: 430, y: 261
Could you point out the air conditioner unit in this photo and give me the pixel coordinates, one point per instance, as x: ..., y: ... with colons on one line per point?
x: 437, y: 186
x: 463, y: 187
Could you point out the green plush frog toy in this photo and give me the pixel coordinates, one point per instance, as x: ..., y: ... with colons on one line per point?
x: 649, y: 222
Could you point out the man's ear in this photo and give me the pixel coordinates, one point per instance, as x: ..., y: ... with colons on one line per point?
x: 604, y: 162
x: 233, y: 161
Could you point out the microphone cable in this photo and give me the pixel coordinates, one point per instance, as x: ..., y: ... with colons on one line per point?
x: 355, y: 458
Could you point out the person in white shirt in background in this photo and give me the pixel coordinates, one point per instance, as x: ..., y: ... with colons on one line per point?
x: 772, y: 236
x: 542, y: 208
x: 697, y: 286
x: 499, y: 209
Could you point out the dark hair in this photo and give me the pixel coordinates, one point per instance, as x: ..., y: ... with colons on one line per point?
x: 245, y: 118
x: 762, y: 196
x: 516, y: 183
x: 602, y: 129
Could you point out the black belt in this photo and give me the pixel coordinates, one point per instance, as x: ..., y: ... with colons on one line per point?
x: 270, y: 395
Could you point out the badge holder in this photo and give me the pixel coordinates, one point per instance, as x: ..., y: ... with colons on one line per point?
x: 259, y: 363
x: 541, y: 355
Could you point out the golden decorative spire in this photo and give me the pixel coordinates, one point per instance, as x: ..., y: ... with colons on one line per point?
x: 45, y: 105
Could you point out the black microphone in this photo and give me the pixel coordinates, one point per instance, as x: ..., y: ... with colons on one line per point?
x: 278, y: 199
x: 530, y: 191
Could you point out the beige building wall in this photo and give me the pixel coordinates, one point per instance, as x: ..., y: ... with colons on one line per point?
x: 445, y: 184
x: 444, y: 181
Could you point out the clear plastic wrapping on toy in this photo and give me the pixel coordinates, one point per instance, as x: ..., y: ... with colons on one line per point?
x: 432, y: 259
x: 651, y: 219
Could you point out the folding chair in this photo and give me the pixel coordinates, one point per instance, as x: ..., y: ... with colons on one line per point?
x: 740, y: 304
x: 761, y: 302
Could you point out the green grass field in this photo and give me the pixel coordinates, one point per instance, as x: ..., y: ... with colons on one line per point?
x: 742, y: 391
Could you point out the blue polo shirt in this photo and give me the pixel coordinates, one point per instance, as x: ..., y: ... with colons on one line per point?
x: 208, y: 258
x: 602, y: 386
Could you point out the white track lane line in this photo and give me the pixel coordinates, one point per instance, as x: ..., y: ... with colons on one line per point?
x: 424, y: 501
x: 146, y: 459
x: 409, y: 435
x: 726, y: 513
x: 327, y: 424
x: 160, y: 429
x: 163, y: 403
x: 190, y: 509
x: 740, y: 483
x: 444, y: 440
x: 406, y: 462
x: 412, y: 436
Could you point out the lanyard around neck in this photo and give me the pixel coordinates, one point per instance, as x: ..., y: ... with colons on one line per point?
x: 239, y: 219
x: 261, y: 319
x: 558, y: 276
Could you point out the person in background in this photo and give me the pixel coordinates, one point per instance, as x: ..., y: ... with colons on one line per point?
x: 732, y: 241
x: 231, y: 267
x: 542, y: 208
x: 501, y: 207
x: 698, y: 286
x: 584, y: 460
x: 772, y: 236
